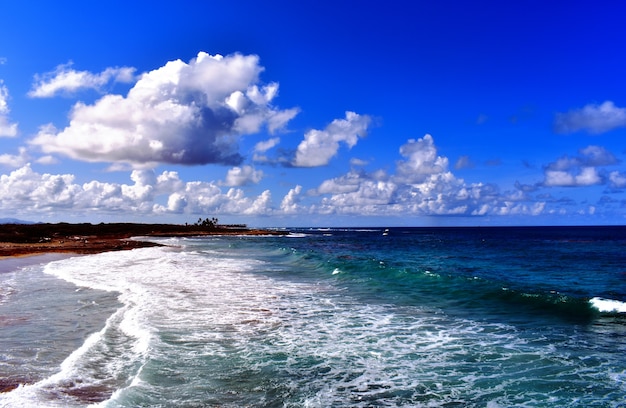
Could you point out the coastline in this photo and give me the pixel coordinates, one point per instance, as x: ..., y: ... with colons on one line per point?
x: 23, y: 245
x: 19, y: 240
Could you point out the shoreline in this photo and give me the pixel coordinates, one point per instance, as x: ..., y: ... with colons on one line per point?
x: 23, y: 245
x: 10, y: 264
x: 24, y: 240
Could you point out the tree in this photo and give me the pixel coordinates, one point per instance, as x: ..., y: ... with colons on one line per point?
x: 207, y: 223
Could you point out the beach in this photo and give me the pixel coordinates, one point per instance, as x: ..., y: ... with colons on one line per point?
x: 30, y: 239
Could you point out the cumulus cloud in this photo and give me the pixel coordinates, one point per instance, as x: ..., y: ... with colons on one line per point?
x: 591, y: 118
x: 586, y: 176
x: 7, y: 129
x: 290, y: 203
x: 581, y: 170
x: 182, y: 113
x: 617, y: 180
x: 320, y: 146
x: 241, y: 176
x: 344, y: 184
x: 421, y: 160
x: 14, y: 160
x: 24, y: 190
x: 65, y: 80
x: 421, y: 185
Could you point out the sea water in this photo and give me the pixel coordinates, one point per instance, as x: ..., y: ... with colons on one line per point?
x: 410, y: 317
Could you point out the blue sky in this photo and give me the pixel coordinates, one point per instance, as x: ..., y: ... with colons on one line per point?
x: 320, y: 113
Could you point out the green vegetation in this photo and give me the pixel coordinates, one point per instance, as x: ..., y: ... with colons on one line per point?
x: 207, y: 223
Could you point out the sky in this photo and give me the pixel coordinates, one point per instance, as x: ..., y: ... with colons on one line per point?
x: 314, y: 113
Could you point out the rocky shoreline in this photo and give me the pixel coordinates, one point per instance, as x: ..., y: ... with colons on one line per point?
x: 86, y: 238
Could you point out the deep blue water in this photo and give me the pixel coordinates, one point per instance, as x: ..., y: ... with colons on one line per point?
x: 361, y: 317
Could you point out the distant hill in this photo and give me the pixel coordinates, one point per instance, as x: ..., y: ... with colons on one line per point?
x: 14, y: 221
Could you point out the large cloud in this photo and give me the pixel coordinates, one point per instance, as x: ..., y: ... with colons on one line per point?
x: 591, y: 118
x: 7, y: 129
x: 319, y: 146
x: 182, y: 113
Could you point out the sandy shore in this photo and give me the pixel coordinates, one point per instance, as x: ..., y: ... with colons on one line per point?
x: 31, y: 239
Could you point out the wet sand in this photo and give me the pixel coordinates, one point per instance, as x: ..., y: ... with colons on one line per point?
x: 12, y: 263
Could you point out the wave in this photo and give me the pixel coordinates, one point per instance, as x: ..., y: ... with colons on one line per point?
x: 608, y: 305
x: 374, y: 279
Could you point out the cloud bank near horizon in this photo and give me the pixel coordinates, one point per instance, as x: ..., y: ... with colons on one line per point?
x: 422, y: 185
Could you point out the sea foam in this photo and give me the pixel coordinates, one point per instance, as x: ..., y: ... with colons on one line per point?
x: 608, y: 305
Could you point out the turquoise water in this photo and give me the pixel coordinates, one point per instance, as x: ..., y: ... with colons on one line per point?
x: 494, y: 317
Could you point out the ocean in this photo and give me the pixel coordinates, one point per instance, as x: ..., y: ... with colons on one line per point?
x: 325, y: 317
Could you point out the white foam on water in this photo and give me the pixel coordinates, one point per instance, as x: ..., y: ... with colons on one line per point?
x: 297, y: 235
x: 170, y: 297
x: 608, y: 305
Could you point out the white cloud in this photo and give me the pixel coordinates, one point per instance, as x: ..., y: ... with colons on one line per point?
x: 422, y: 160
x: 14, y: 161
x: 25, y: 190
x: 66, y: 80
x: 369, y: 198
x: 586, y: 176
x: 261, y: 147
x: 262, y: 205
x: 579, y: 171
x: 241, y: 176
x: 558, y: 178
x: 358, y: 162
x: 591, y: 118
x: 47, y: 160
x: 176, y: 203
x: 344, y: 184
x: 320, y: 146
x: 290, y: 203
x: 597, y: 156
x: 181, y: 113
x: 617, y: 179
x: 7, y: 129
x: 421, y: 186
x: 265, y: 145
